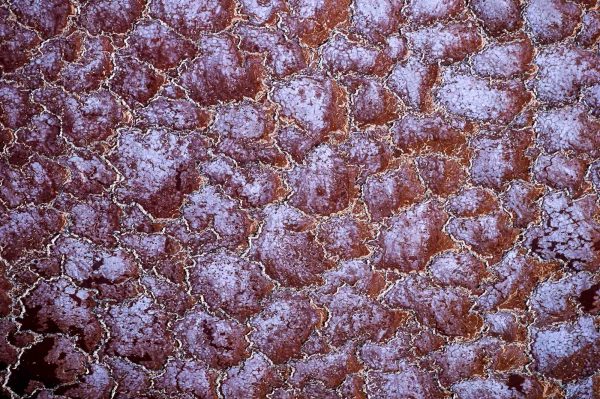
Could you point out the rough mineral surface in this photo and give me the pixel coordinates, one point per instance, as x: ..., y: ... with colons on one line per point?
x: 300, y: 199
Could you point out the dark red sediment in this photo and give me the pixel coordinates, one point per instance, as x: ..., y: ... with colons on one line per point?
x: 300, y: 199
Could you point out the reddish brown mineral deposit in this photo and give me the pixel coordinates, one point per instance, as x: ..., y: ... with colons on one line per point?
x: 300, y: 199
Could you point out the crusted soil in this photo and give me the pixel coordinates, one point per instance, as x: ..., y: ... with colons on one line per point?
x: 289, y: 199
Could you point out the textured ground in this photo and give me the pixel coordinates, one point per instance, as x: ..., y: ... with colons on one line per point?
x: 300, y: 199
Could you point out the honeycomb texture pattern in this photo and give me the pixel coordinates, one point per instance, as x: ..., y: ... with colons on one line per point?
x: 293, y: 199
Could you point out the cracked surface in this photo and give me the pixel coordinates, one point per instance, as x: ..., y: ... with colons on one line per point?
x: 289, y: 199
